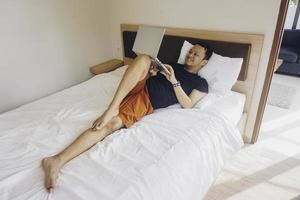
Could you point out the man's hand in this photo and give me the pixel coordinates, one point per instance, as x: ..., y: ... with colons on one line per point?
x: 97, y: 123
x: 170, y: 77
x: 101, y: 121
x: 153, y: 70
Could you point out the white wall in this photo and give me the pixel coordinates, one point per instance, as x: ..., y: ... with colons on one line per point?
x: 46, y: 46
x: 254, y: 16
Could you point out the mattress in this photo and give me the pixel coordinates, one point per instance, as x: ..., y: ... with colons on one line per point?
x: 171, y: 154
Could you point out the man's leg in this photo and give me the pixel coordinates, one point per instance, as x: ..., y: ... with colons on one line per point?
x: 87, y: 139
x: 135, y: 72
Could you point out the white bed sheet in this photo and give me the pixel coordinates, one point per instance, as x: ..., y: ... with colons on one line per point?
x: 173, y: 154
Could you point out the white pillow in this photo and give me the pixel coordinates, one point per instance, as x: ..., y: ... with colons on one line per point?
x: 184, y: 51
x: 220, y: 72
x: 208, y: 100
x: 230, y: 104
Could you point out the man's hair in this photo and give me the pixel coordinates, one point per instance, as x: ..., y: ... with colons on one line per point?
x: 208, y: 51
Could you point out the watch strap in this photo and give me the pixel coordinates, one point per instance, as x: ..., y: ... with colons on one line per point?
x: 176, y: 84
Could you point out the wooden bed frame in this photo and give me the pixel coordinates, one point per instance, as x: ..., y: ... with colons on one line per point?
x: 223, y: 41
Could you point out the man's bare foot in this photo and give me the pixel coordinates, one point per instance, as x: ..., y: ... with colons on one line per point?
x: 104, y: 118
x: 51, y: 167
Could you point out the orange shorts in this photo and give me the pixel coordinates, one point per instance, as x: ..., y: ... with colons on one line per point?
x: 135, y: 105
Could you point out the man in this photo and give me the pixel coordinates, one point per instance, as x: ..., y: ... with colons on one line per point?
x: 141, y: 90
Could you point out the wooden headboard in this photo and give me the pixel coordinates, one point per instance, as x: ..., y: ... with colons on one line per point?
x: 241, y: 45
x: 171, y: 45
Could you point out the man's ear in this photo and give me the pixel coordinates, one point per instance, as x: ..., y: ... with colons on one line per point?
x: 204, y: 62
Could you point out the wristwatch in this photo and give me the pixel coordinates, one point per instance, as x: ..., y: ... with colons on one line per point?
x: 176, y: 84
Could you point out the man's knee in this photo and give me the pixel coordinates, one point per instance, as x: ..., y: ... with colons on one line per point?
x: 143, y: 57
x: 111, y: 126
x: 114, y: 124
x: 144, y: 60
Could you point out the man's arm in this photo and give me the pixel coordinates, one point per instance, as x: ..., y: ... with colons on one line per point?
x: 184, y: 100
x: 188, y: 101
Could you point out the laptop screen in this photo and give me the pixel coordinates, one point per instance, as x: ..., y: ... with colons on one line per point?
x: 148, y: 40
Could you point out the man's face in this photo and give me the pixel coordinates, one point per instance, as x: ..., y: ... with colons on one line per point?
x: 195, y: 56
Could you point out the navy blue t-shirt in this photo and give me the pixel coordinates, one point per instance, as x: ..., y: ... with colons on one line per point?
x: 162, y: 93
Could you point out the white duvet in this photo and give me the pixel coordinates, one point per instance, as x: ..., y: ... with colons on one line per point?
x: 171, y: 154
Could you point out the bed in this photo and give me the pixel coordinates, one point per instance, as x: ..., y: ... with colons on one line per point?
x: 171, y: 154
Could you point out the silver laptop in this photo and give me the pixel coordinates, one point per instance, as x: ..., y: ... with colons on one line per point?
x: 148, y: 41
